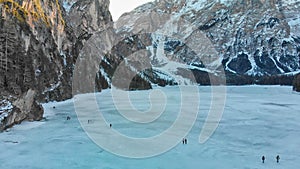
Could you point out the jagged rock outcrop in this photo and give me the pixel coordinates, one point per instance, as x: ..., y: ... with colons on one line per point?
x: 22, y: 108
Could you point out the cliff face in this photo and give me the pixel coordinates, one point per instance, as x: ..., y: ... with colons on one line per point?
x: 40, y: 42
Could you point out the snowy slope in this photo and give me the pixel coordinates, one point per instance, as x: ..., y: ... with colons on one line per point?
x: 268, y: 125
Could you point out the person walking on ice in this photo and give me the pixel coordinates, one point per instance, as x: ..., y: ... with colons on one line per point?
x: 263, y: 159
x: 184, y: 141
x: 277, y: 158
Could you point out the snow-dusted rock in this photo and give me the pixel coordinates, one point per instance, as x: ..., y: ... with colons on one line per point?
x: 256, y: 41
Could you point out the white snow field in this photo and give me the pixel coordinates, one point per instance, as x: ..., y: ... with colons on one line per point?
x: 257, y: 120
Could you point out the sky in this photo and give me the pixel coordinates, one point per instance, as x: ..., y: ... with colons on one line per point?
x: 118, y: 7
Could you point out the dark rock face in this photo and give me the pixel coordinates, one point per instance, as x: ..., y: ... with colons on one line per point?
x: 296, y: 83
x: 27, y: 68
x: 241, y: 64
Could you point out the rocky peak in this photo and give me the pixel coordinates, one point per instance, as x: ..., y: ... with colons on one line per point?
x: 94, y: 16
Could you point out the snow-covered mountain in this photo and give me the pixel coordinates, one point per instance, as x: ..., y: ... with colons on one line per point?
x: 255, y: 41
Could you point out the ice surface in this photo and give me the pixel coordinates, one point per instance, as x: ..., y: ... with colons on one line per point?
x: 258, y: 120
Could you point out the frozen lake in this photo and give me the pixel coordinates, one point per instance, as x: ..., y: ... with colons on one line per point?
x: 257, y: 120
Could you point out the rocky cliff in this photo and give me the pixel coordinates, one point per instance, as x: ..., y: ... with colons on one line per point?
x: 40, y: 42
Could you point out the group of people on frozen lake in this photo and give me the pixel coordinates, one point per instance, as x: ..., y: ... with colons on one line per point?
x: 263, y: 158
x: 184, y: 141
